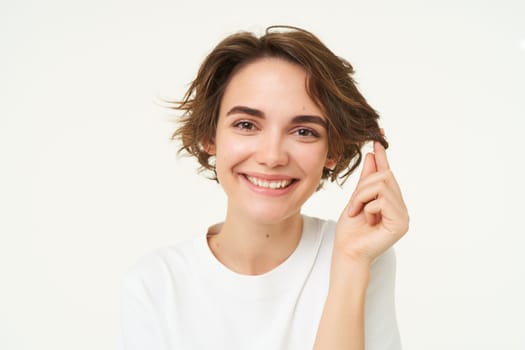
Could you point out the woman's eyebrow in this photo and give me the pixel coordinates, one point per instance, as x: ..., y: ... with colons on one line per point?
x: 300, y: 119
x: 246, y: 110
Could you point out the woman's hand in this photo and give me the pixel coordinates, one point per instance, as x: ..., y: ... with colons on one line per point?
x: 376, y: 216
x: 374, y: 219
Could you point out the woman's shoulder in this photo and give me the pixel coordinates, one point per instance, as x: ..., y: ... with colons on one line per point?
x: 325, y: 227
x: 161, y: 264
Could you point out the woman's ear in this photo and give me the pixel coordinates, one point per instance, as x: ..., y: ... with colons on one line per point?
x: 330, y: 163
x: 209, y: 148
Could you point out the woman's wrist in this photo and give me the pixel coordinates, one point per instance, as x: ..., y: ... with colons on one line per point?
x: 342, y: 323
x: 348, y: 275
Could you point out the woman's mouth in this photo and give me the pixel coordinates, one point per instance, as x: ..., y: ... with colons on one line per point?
x: 270, y: 184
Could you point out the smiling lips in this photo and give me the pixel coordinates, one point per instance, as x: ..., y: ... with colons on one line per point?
x: 276, y: 184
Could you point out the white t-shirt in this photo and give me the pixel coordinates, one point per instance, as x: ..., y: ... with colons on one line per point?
x: 182, y: 297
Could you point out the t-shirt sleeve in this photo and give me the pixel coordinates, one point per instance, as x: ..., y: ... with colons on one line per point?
x: 139, y: 322
x: 381, y: 331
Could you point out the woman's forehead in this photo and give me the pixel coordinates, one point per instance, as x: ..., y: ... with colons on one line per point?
x: 270, y: 85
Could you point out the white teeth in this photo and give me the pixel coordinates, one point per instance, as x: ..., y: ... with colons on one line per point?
x: 269, y: 184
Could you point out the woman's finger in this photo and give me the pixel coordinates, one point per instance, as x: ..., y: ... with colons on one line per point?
x: 385, y: 176
x: 369, y: 166
x: 380, y: 157
x: 388, y: 209
x: 365, y: 194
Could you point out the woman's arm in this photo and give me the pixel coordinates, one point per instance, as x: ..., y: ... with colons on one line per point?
x: 140, y: 326
x: 374, y: 219
x: 342, y: 322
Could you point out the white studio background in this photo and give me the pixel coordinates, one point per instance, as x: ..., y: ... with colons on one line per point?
x: 90, y: 182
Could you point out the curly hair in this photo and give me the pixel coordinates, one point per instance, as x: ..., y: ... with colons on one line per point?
x: 351, y: 120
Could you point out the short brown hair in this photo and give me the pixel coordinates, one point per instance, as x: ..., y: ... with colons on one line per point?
x: 351, y: 121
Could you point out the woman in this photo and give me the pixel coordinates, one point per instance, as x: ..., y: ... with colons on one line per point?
x: 272, y: 118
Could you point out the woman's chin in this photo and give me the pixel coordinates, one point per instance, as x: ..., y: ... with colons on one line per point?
x: 271, y: 215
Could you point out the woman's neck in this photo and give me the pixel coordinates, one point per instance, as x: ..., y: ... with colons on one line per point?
x: 252, y: 247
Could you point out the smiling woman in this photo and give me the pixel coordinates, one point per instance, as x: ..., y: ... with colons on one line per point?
x: 274, y: 141
x: 273, y: 117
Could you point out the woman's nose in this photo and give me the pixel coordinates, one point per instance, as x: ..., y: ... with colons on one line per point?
x: 271, y: 150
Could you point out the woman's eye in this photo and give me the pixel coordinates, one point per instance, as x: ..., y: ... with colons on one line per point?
x: 306, y: 132
x: 245, y: 125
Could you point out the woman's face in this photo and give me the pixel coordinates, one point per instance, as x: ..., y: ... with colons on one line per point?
x: 271, y: 141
